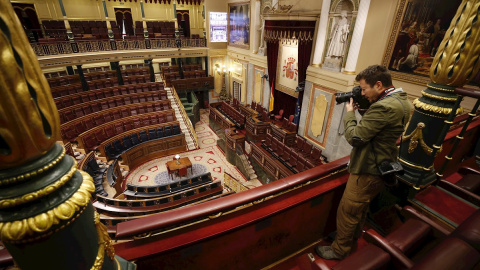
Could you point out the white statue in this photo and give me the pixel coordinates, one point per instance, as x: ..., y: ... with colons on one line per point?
x: 339, y: 37
x: 262, y: 34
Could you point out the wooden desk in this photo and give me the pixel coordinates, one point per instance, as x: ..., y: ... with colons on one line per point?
x: 256, y: 129
x: 285, y: 136
x: 232, y: 138
x: 173, y: 166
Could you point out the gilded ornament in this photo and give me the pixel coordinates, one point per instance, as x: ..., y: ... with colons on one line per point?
x: 456, y: 62
x: 105, y: 244
x: 40, y: 193
x: 415, y: 138
x: 438, y: 97
x: 31, y: 125
x: 28, y: 229
x: 432, y: 108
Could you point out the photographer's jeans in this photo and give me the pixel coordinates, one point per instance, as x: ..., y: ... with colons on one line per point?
x: 352, y: 210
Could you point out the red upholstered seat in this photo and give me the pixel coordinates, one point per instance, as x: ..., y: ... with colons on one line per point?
x: 410, y: 233
x: 368, y: 257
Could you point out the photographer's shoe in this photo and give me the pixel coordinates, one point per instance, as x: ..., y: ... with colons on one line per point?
x: 327, y: 253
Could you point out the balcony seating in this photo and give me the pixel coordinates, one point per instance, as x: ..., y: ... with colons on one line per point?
x: 459, y: 250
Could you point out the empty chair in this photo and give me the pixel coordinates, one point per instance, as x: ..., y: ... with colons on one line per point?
x: 160, y: 133
x: 315, y: 156
x: 168, y: 131
x: 182, y: 171
x: 109, y: 131
x: 143, y: 136
x: 89, y: 124
x: 299, y: 141
x: 135, y: 139
x: 152, y: 134
x: 100, y: 135
x: 127, y: 142
x: 118, y: 146
x: 290, y: 118
x: 293, y: 160
x: 110, y: 151
x: 107, y: 117
x: 175, y: 129
x: 287, y: 153
x: 307, y: 148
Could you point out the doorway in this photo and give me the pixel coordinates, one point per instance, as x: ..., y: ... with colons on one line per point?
x: 124, y: 19
x: 183, y: 20
x: 27, y: 15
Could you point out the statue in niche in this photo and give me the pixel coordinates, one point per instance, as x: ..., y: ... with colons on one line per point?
x: 339, y: 36
x: 261, y: 48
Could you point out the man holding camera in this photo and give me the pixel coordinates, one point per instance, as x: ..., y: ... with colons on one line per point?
x: 374, y: 142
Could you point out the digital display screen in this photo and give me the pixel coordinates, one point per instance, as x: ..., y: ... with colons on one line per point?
x: 218, y: 27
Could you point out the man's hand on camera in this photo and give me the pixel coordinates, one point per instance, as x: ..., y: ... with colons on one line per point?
x: 351, y: 106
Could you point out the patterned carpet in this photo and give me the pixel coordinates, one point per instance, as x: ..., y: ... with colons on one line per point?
x: 208, y: 158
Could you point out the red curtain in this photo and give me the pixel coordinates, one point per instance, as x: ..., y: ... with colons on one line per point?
x: 303, y: 31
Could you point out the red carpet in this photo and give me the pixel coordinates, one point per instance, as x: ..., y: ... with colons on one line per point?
x: 444, y: 205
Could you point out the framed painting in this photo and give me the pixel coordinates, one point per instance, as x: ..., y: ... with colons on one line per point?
x: 417, y: 31
x: 239, y: 25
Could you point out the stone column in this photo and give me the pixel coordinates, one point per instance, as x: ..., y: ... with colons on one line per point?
x: 452, y: 67
x: 321, y: 34
x: 47, y: 220
x: 65, y: 20
x: 357, y: 37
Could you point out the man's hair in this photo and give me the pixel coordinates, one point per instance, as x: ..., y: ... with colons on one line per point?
x: 375, y: 73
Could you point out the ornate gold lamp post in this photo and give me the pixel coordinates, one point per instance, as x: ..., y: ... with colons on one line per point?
x: 46, y: 218
x: 455, y: 64
x: 222, y: 71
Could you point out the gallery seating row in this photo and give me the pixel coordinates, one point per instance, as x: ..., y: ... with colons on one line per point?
x: 143, y: 206
x: 86, y: 70
x: 136, y: 71
x: 63, y: 80
x: 193, y: 83
x: 89, y: 165
x: 69, y: 89
x: 97, y: 29
x: 235, y: 116
x: 121, y: 140
x: 92, y: 138
x: 299, y: 157
x: 168, y: 78
x: 420, y: 243
x: 86, y: 108
x: 72, y: 129
x: 288, y: 125
x: 134, y: 191
x: 169, y: 69
x: 160, y: 27
x: 130, y: 66
x: 91, y: 95
x: 55, y: 74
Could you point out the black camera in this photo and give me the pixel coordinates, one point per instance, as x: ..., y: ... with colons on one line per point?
x: 356, y: 94
x: 388, y: 170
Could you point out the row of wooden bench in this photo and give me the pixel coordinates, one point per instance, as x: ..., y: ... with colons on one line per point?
x: 91, y: 95
x: 143, y: 206
x: 234, y: 115
x: 297, y: 158
x: 71, y: 129
x: 134, y: 191
x: 82, y: 109
x: 91, y: 138
x: 116, y: 144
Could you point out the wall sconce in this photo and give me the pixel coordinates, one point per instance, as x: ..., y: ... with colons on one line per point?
x: 265, y: 76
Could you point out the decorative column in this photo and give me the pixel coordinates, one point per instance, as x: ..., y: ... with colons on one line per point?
x: 107, y: 21
x: 144, y: 23
x: 150, y: 67
x: 321, y: 34
x: 256, y: 25
x: 65, y: 20
x: 47, y: 220
x: 455, y: 64
x: 116, y: 66
x: 82, y: 78
x: 357, y: 37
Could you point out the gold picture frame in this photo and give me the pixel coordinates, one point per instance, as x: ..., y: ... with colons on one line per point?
x: 421, y: 24
x: 238, y: 34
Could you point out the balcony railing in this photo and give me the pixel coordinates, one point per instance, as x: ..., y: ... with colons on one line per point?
x: 84, y: 46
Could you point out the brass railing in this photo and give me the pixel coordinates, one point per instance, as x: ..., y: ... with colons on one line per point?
x: 186, y: 119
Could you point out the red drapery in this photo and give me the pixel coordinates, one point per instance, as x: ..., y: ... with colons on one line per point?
x: 303, y: 31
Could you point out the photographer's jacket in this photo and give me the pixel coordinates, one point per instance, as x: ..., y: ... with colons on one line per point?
x: 378, y: 131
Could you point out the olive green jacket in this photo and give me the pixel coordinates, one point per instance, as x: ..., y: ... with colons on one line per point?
x: 380, y: 127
